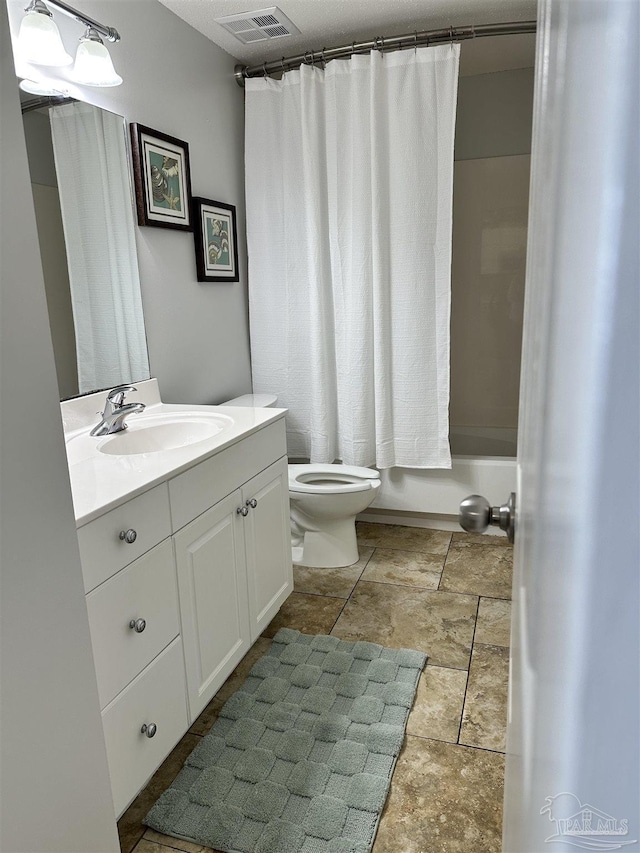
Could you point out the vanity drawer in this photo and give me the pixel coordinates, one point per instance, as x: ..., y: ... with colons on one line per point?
x: 156, y: 696
x: 103, y: 552
x: 198, y: 489
x: 145, y: 590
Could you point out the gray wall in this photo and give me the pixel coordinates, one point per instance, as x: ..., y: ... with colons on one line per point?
x: 37, y: 133
x: 178, y: 82
x: 46, y: 200
x: 490, y: 206
x: 494, y: 114
x: 55, y: 795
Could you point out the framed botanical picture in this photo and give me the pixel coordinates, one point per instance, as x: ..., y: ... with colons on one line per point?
x: 162, y: 178
x: 214, y: 231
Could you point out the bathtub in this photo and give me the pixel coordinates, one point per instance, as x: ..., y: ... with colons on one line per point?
x: 483, y: 462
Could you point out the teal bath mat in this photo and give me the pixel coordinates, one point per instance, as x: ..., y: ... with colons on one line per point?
x: 301, y: 757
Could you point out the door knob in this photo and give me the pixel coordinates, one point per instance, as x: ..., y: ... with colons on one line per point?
x: 149, y: 729
x: 138, y: 625
x: 243, y: 511
x: 476, y: 514
x: 128, y: 536
x: 252, y: 502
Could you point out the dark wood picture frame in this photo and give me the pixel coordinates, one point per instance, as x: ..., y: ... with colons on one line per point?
x: 156, y: 183
x: 216, y: 240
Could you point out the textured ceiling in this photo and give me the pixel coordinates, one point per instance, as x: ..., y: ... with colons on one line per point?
x: 329, y: 23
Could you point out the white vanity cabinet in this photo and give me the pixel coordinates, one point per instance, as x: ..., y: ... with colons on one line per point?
x: 179, y: 582
x: 267, y: 544
x: 234, y: 573
x: 212, y: 580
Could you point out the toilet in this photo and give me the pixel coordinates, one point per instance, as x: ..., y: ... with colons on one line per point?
x: 325, y: 500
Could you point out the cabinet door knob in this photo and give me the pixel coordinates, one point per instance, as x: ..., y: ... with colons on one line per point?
x: 149, y: 729
x: 252, y: 502
x: 138, y: 625
x: 243, y: 511
x: 128, y: 536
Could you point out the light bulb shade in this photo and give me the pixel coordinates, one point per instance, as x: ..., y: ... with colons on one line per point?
x: 41, y: 87
x: 93, y: 66
x: 39, y: 41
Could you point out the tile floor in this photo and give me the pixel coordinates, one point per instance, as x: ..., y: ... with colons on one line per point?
x: 445, y: 594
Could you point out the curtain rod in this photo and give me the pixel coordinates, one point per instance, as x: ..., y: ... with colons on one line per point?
x: 383, y: 43
x: 45, y: 101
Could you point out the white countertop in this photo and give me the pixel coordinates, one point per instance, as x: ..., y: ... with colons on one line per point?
x: 102, y: 481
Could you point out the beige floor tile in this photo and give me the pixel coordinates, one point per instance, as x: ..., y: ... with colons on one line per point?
x: 437, y: 709
x: 210, y: 714
x: 156, y: 842
x: 484, y: 719
x: 405, y: 538
x: 479, y: 570
x: 410, y: 568
x: 494, y: 622
x: 438, y: 623
x: 167, y: 844
x: 444, y: 798
x: 337, y: 583
x: 461, y: 540
x: 130, y: 826
x: 311, y: 614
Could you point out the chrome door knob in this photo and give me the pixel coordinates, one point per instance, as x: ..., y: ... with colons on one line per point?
x: 138, y: 625
x: 476, y: 514
x: 253, y: 503
x: 128, y: 536
x: 243, y: 511
x: 149, y: 729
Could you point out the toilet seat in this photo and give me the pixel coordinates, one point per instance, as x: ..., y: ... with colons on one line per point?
x: 344, y: 479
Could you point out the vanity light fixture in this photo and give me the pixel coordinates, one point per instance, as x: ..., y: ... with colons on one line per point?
x: 93, y: 65
x: 39, y: 38
x: 39, y: 42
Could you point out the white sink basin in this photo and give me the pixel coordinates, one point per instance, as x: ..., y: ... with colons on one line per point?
x: 150, y: 434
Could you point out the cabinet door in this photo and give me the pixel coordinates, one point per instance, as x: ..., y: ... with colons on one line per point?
x: 268, y: 544
x: 212, y: 586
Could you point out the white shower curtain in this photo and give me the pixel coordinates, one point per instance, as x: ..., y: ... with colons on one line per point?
x: 349, y: 175
x: 97, y: 215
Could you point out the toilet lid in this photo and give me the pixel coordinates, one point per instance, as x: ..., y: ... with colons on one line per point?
x: 331, y: 479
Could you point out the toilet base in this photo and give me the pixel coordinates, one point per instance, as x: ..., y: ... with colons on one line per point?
x: 333, y: 547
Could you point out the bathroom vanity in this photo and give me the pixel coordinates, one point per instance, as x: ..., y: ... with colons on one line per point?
x: 186, y: 558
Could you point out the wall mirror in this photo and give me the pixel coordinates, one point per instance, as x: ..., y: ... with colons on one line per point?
x: 83, y: 202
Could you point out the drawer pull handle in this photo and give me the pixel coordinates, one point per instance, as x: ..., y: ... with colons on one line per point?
x: 138, y: 626
x: 149, y: 729
x: 243, y: 511
x: 128, y: 536
x: 253, y: 503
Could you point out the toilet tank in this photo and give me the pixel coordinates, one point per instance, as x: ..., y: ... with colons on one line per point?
x: 256, y: 401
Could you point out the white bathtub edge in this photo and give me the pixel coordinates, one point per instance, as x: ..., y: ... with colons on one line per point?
x: 425, y: 493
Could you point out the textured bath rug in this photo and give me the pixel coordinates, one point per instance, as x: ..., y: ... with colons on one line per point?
x: 301, y: 757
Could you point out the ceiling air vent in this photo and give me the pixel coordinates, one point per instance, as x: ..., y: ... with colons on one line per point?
x: 260, y: 25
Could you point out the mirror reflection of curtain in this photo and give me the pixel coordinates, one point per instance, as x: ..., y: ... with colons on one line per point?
x: 95, y: 199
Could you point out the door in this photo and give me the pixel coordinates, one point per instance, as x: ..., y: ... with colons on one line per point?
x: 572, y: 745
x: 212, y: 585
x: 268, y: 544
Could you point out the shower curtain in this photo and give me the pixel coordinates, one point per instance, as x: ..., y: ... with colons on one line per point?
x: 97, y: 216
x: 349, y: 179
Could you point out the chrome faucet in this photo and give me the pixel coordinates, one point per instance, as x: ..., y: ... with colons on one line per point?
x: 115, y: 411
